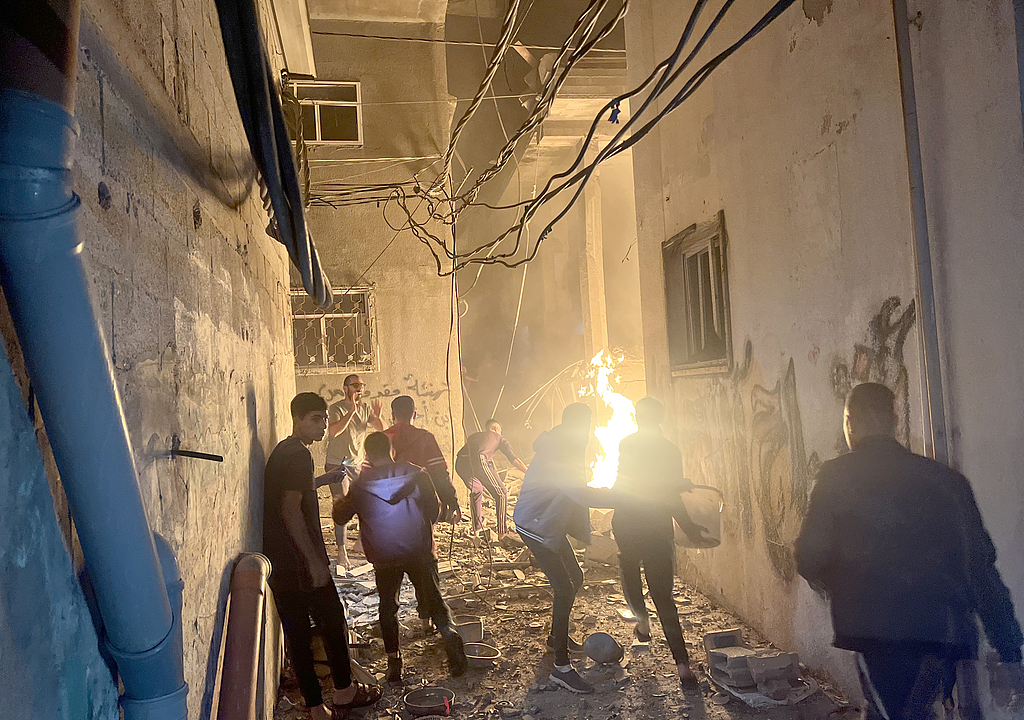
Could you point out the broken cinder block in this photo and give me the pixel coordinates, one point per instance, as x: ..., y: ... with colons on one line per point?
x: 723, y: 638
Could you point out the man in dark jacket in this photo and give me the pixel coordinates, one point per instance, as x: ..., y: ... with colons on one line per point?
x: 897, y: 542
x: 397, y: 506
x: 554, y: 504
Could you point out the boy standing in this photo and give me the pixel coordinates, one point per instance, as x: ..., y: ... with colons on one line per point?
x: 397, y: 506
x: 301, y: 577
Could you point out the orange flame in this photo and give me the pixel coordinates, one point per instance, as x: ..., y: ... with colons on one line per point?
x: 621, y: 423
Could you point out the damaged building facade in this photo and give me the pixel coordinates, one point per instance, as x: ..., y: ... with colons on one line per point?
x: 780, y: 196
x: 754, y: 255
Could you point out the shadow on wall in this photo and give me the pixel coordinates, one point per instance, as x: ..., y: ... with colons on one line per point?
x: 744, y: 435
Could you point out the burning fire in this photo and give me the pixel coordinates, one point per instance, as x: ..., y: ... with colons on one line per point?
x: 621, y: 423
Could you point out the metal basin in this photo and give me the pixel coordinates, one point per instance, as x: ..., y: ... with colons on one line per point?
x: 481, y: 655
x: 429, y: 701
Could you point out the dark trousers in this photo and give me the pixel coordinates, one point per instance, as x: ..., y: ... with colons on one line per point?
x: 423, y: 576
x: 902, y: 681
x: 423, y: 604
x: 478, y: 477
x: 656, y: 553
x: 558, y: 561
x: 323, y: 605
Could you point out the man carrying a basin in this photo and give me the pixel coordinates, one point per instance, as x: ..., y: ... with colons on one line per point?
x: 650, y: 481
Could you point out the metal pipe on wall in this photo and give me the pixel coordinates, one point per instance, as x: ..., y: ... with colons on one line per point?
x: 47, y: 292
x: 242, y: 646
x: 933, y: 404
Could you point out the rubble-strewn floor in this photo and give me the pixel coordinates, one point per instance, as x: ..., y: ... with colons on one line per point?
x: 516, y: 616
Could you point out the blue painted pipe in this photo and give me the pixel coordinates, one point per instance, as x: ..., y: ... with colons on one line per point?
x: 47, y: 292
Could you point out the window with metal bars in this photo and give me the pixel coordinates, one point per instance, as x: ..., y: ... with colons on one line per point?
x: 331, y: 112
x: 341, y: 339
x: 697, y: 298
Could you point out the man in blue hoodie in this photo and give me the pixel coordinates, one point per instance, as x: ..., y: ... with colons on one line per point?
x: 397, y: 506
x: 553, y: 504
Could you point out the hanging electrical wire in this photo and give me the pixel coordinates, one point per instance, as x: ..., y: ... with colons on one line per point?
x: 665, y: 76
x: 667, y: 87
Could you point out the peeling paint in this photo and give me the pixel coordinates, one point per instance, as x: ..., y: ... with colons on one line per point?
x: 816, y: 10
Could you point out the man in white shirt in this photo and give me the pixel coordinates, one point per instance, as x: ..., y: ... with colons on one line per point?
x: 350, y: 420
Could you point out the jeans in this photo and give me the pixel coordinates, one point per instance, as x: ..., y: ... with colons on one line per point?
x: 323, y: 604
x: 558, y: 561
x: 656, y: 553
x: 423, y: 576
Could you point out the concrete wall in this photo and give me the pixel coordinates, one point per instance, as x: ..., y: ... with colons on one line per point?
x: 966, y: 73
x: 799, y: 139
x: 413, y: 307
x: 191, y: 295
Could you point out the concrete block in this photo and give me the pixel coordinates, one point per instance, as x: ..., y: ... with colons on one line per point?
x: 723, y: 638
x: 602, y: 549
x: 780, y: 665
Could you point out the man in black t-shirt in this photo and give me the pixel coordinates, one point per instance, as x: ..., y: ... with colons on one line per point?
x: 301, y: 577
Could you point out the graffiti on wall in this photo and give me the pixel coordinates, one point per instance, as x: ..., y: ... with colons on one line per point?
x: 880, y: 359
x: 747, y: 438
x: 431, y: 410
x: 744, y: 433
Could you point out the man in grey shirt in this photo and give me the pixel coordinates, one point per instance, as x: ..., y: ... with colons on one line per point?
x: 350, y: 420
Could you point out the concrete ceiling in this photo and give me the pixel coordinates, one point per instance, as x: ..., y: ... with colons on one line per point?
x: 381, y: 11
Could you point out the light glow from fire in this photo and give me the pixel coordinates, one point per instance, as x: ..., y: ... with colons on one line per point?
x: 621, y: 424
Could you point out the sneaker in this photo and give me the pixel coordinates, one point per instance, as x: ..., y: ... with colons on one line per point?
x: 573, y: 645
x: 453, y: 648
x: 571, y: 681
x: 394, y: 675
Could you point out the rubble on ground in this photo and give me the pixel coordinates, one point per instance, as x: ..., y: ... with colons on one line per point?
x: 498, y: 584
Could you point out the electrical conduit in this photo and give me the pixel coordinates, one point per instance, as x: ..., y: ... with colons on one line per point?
x: 138, y: 590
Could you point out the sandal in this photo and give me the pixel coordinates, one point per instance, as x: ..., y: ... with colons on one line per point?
x: 641, y: 637
x: 365, y: 696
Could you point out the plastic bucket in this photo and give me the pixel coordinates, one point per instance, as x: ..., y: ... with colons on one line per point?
x: 704, y: 505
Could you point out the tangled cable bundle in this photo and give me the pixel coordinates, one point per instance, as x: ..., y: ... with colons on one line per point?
x: 666, y: 88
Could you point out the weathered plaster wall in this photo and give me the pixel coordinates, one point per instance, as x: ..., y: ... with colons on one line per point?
x: 799, y: 139
x: 966, y: 73
x: 413, y: 319
x: 412, y: 303
x: 190, y: 293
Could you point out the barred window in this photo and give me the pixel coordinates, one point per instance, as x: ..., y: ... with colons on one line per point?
x: 331, y: 112
x: 342, y: 338
x: 697, y: 299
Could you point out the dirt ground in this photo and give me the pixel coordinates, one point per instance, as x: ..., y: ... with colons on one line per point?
x: 516, y: 610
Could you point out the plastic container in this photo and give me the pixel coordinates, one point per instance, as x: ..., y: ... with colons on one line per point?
x: 704, y: 505
x: 469, y: 627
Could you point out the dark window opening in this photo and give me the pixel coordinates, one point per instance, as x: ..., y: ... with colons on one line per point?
x: 696, y: 293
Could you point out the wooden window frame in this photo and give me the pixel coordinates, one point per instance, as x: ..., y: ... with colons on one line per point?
x: 680, y: 315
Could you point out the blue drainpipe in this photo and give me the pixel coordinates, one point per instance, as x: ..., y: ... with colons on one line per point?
x: 47, y: 291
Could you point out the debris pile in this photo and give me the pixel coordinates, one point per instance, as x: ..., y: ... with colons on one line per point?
x: 760, y: 678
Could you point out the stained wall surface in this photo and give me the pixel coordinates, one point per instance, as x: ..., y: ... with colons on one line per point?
x: 192, y: 298
x: 798, y: 139
x: 405, y: 115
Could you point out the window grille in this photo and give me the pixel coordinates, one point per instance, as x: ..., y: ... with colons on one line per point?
x: 331, y: 112
x: 342, y: 339
x: 697, y: 299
